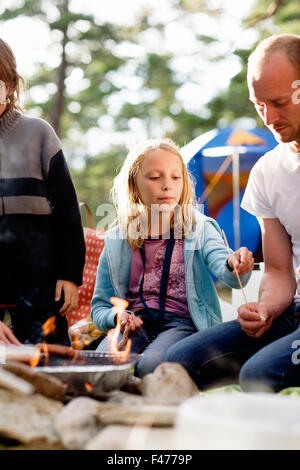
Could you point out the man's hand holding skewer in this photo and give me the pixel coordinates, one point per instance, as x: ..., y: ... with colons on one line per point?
x: 254, y: 318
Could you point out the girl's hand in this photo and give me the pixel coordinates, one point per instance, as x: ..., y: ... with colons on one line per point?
x: 134, y: 323
x: 241, y: 261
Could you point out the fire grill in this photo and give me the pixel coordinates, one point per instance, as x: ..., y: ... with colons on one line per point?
x: 90, y: 372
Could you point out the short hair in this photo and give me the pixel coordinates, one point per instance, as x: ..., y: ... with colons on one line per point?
x: 9, y: 74
x: 288, y: 44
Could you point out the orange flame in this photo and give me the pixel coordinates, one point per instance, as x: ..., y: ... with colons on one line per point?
x: 76, y: 343
x: 46, y: 353
x: 88, y: 386
x: 119, y: 303
x: 36, y: 358
x: 113, y: 335
x: 49, y: 326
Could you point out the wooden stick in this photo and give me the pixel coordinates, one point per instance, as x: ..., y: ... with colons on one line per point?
x: 121, y: 304
x: 124, y: 340
x: 238, y: 278
x: 237, y: 274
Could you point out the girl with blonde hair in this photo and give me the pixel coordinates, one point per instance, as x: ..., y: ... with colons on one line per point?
x: 159, y: 256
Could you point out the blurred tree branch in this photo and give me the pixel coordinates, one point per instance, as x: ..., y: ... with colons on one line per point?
x: 272, y: 9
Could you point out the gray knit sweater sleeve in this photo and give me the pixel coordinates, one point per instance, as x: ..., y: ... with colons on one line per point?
x: 44, y: 137
x: 27, y: 145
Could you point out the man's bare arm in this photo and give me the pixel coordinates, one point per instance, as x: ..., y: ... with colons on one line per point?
x: 278, y: 285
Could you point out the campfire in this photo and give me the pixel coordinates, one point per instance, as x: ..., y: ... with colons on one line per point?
x: 88, y: 372
x: 57, y: 355
x: 75, y: 394
x: 85, y: 372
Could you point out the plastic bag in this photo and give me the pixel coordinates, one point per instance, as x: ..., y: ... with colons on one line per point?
x: 84, y: 333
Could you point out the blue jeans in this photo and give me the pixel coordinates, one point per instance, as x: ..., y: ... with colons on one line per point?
x: 222, y: 354
x: 155, y: 338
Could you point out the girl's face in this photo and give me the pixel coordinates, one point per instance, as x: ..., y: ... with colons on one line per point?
x: 3, y: 93
x: 159, y: 179
x: 2, y: 108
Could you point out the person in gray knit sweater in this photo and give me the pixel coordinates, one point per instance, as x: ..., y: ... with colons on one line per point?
x: 42, y: 248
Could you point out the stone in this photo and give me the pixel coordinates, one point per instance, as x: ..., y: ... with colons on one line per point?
x: 137, y: 414
x: 125, y: 398
x: 116, y: 437
x: 110, y: 438
x: 169, y: 384
x: 133, y: 385
x: 42, y: 383
x: 83, y: 418
x: 9, y: 381
x: 28, y: 418
x: 78, y: 422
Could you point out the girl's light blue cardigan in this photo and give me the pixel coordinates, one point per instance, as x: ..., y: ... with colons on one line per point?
x: 204, y: 251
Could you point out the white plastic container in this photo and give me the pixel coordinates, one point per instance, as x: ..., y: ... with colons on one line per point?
x: 255, y: 421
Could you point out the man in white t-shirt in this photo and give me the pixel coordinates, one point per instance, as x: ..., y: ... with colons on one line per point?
x: 263, y: 345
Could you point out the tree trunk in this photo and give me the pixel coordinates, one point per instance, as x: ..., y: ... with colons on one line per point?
x: 59, y: 101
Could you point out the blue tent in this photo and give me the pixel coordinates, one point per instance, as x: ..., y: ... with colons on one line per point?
x: 204, y: 156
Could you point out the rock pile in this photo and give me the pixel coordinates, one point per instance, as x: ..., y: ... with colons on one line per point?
x: 33, y: 409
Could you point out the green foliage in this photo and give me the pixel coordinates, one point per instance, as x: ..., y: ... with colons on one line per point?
x: 92, y: 57
x: 88, y: 50
x: 293, y: 391
x: 282, y: 13
x: 228, y: 106
x: 158, y: 77
x: 234, y: 102
x: 234, y: 388
x: 94, y: 182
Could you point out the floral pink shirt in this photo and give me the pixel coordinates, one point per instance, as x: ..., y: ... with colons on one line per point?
x: 176, y: 300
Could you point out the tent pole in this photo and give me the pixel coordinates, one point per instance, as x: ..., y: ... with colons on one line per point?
x: 236, y: 198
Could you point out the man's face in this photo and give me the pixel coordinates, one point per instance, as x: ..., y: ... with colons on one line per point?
x: 270, y: 89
